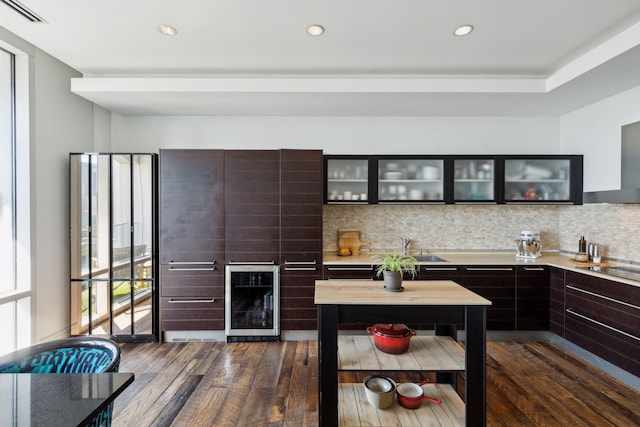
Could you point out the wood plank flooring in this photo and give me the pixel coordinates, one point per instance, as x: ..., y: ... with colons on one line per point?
x: 275, y: 384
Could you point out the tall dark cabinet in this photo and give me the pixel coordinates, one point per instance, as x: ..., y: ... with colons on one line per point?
x: 192, y: 239
x: 300, y: 236
x: 252, y: 206
x: 244, y: 207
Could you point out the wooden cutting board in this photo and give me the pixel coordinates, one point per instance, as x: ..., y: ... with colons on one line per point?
x: 350, y: 238
x: 592, y: 264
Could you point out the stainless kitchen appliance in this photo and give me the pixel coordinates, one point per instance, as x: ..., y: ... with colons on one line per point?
x: 528, y: 245
x: 252, y: 302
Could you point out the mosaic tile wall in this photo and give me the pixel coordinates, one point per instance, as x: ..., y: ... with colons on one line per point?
x: 456, y: 227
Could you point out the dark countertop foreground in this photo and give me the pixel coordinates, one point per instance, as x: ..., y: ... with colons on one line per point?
x: 552, y: 259
x: 57, y: 399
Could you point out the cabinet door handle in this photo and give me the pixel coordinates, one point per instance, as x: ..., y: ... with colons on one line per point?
x: 489, y: 269
x: 191, y: 301
x: 192, y: 262
x: 253, y: 262
x: 533, y: 268
x: 345, y: 278
x: 573, y: 288
x: 299, y: 268
x: 212, y: 268
x: 440, y: 268
x: 604, y: 325
x: 300, y: 262
x: 348, y: 269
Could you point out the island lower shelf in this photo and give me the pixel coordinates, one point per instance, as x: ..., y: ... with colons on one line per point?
x: 426, y: 353
x: 355, y: 410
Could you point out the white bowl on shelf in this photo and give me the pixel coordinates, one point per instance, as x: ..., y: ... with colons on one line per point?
x: 393, y: 175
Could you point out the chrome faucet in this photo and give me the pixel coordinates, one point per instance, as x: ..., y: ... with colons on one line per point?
x: 405, y: 244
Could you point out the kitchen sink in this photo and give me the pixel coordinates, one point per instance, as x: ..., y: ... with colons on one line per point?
x: 429, y: 258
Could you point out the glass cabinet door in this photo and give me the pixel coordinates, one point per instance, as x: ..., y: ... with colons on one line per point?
x: 113, y: 238
x: 537, y: 180
x: 347, y: 180
x: 474, y: 180
x: 411, y: 180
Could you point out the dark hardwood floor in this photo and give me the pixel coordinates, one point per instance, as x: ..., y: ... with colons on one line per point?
x: 275, y: 384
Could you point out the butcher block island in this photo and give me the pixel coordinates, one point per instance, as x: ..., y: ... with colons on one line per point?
x: 443, y: 303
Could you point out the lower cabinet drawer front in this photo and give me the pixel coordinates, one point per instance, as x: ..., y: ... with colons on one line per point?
x: 612, y: 312
x: 182, y: 313
x: 191, y: 283
x: 348, y: 272
x: 600, y: 339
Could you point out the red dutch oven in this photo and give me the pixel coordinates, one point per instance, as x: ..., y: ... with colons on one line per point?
x: 391, y: 338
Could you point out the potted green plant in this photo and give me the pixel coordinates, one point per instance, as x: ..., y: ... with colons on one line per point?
x: 392, y: 267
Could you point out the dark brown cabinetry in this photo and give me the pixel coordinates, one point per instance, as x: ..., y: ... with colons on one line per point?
x: 497, y: 284
x: 191, y: 239
x: 439, y: 272
x: 300, y: 237
x: 252, y: 205
x: 343, y: 271
x: 603, y: 317
x: 532, y: 298
x: 238, y: 206
x: 556, y: 300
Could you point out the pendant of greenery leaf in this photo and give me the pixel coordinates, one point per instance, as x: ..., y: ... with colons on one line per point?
x: 395, y: 262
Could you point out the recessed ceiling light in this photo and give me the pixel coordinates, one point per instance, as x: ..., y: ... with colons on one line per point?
x: 463, y: 30
x: 167, y: 30
x: 315, y: 30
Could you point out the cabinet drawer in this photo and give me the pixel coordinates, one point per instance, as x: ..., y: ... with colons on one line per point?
x: 615, y: 313
x: 191, y: 283
x: 183, y: 313
x: 441, y: 272
x: 348, y: 272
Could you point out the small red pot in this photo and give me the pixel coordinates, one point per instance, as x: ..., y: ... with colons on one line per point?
x: 391, y: 338
x: 411, y: 395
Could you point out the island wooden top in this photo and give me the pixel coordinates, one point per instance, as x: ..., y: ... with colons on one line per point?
x: 416, y: 292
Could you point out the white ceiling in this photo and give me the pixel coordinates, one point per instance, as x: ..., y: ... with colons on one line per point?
x: 377, y: 57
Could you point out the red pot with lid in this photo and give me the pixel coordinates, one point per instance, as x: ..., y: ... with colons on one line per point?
x: 391, y: 338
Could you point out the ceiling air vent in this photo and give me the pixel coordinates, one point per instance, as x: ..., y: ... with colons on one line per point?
x: 22, y: 10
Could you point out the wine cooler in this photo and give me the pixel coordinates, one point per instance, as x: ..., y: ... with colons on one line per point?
x: 252, y: 302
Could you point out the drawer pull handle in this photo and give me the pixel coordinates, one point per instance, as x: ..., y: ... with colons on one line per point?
x: 192, y: 262
x: 299, y: 269
x: 341, y: 278
x: 533, y: 268
x: 253, y: 262
x: 348, y: 269
x: 489, y: 269
x: 604, y: 325
x: 300, y: 262
x: 440, y: 268
x: 191, y: 269
x: 573, y: 288
x: 191, y: 301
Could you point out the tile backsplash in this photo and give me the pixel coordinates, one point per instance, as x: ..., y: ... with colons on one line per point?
x: 464, y: 227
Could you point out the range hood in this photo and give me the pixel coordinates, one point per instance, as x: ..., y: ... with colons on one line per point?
x: 629, y: 169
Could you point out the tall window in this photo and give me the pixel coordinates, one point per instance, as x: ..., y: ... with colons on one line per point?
x: 15, y: 295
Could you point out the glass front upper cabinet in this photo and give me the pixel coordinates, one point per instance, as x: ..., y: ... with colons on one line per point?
x: 347, y: 180
x: 474, y: 180
x: 411, y: 180
x: 545, y: 179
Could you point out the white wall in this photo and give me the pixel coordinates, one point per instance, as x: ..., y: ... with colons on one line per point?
x: 595, y: 130
x: 61, y: 123
x: 341, y: 135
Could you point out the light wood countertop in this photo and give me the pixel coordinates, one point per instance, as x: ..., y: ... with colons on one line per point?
x: 416, y: 292
x: 553, y: 259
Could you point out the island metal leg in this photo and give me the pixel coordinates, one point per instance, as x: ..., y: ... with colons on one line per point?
x: 475, y: 357
x: 328, y: 365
